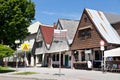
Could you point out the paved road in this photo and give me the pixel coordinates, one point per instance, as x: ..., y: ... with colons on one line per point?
x: 67, y: 74
x: 14, y: 78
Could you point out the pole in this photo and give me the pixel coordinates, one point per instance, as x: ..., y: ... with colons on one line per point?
x: 16, y: 61
x: 102, y: 61
x: 25, y: 59
x: 102, y: 43
x: 17, y: 42
x: 60, y: 56
x: 60, y: 63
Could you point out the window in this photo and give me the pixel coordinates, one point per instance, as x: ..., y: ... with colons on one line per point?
x: 56, y: 41
x: 39, y: 44
x: 83, y: 56
x: 54, y: 57
x: 84, y: 34
x: 76, y: 55
x: 57, y: 57
x: 98, y: 55
x: 88, y: 33
x: 81, y: 34
x: 40, y: 58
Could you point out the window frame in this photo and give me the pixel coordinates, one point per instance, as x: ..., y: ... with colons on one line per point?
x: 85, y: 33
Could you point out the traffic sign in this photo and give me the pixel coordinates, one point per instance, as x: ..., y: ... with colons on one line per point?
x: 25, y: 46
x: 102, y: 43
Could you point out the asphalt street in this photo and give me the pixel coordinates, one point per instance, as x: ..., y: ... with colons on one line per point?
x: 66, y: 74
x: 14, y: 78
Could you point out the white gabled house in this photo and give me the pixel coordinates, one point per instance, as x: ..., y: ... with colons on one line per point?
x: 30, y: 39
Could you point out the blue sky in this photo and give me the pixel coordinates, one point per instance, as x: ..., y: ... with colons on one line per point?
x: 49, y: 11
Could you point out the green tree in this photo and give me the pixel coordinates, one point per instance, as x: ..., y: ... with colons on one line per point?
x: 15, y: 17
x: 5, y: 51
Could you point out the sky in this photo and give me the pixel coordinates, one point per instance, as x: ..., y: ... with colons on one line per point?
x: 49, y: 11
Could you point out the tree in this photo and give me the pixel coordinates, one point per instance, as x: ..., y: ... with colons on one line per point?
x: 15, y: 17
x: 5, y: 51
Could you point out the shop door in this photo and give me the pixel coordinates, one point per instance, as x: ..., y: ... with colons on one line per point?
x: 66, y: 60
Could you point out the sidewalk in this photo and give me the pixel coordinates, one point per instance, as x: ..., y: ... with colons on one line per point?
x: 66, y: 74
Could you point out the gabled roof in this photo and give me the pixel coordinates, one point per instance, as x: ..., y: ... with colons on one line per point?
x: 47, y: 32
x: 55, y: 40
x: 59, y: 41
x: 112, y: 18
x: 103, y: 26
x: 34, y: 27
x: 71, y: 26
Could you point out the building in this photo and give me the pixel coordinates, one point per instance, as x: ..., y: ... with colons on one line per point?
x: 57, y: 50
x: 48, y: 53
x: 19, y: 53
x: 93, y: 27
x: 71, y: 27
x: 43, y: 42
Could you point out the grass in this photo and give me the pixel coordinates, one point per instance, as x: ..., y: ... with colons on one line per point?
x: 5, y: 69
x: 26, y: 73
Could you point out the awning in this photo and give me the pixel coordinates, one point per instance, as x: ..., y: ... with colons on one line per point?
x: 112, y: 53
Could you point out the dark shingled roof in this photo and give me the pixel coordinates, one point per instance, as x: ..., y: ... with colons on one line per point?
x: 71, y: 26
x: 112, y: 18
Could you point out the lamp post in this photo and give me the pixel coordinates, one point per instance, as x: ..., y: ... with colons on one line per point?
x: 17, y: 42
x: 102, y: 43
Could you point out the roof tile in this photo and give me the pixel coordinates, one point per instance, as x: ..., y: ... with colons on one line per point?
x: 48, y: 32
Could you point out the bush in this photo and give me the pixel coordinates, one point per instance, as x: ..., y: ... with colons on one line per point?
x: 5, y: 51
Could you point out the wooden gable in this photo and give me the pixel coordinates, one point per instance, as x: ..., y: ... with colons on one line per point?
x: 90, y: 38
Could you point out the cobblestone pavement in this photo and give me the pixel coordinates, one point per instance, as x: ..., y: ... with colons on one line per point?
x: 66, y: 74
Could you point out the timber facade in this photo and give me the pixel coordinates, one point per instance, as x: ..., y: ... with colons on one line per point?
x: 87, y: 41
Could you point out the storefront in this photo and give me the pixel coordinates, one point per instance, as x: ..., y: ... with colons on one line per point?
x: 93, y: 28
x: 112, y: 60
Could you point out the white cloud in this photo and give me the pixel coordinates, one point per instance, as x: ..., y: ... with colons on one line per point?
x: 65, y: 15
x: 48, y: 13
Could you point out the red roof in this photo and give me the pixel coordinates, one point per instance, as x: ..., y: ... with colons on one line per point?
x: 47, y: 32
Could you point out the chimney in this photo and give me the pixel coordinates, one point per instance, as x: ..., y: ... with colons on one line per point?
x: 55, y: 25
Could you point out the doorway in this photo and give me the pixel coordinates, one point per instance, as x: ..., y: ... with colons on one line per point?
x: 66, y: 60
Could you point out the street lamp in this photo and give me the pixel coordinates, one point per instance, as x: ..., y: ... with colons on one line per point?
x: 102, y: 44
x: 17, y: 42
